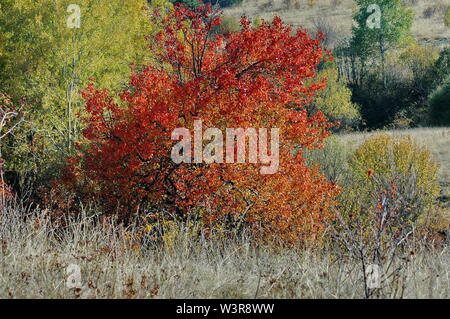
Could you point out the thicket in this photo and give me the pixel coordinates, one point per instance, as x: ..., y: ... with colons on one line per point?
x: 389, y: 74
x: 440, y: 104
x: 48, y: 63
x: 196, y: 3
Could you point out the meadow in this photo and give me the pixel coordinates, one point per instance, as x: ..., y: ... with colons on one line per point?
x: 103, y: 195
x: 35, y: 258
x: 115, y: 263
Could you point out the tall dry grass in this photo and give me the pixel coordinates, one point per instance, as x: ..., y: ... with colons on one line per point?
x: 34, y: 256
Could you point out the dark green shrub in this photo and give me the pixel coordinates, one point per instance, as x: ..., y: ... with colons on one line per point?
x: 380, y: 103
x: 440, y: 104
x: 442, y: 67
x: 196, y: 3
x: 188, y: 3
x: 224, y: 3
x: 401, y: 99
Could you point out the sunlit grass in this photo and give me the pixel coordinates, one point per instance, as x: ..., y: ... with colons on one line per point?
x: 34, y: 256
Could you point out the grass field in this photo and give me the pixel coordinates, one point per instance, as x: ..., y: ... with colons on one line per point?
x: 34, y: 256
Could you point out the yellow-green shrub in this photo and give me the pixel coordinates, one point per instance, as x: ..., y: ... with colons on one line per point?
x: 419, y: 59
x: 399, y: 165
x: 335, y: 99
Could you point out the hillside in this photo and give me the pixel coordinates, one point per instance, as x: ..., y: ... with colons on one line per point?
x: 428, y: 23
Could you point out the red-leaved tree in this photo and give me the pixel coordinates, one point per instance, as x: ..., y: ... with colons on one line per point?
x: 254, y: 77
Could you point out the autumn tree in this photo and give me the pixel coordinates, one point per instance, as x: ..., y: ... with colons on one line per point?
x: 381, y: 25
x: 48, y: 51
x: 251, y: 78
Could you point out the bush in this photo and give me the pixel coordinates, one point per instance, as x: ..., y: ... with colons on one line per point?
x: 399, y: 168
x: 224, y: 3
x: 379, y: 104
x: 420, y: 61
x: 391, y: 194
x: 401, y: 100
x: 439, y: 104
x: 335, y: 100
x: 189, y: 3
x: 441, y: 67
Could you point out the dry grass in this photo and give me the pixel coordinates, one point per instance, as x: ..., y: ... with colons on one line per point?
x: 339, y: 12
x: 34, y: 257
